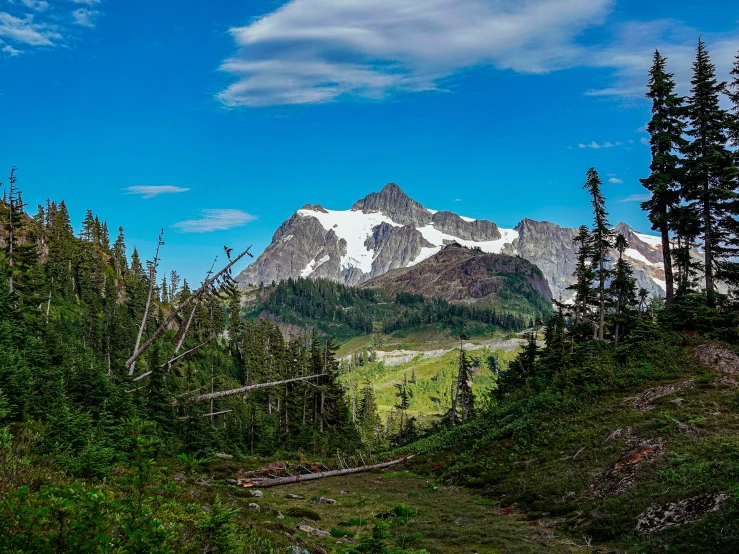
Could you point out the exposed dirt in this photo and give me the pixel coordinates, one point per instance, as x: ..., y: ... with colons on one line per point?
x: 621, y: 478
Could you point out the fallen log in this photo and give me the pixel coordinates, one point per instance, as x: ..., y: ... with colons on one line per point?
x: 273, y: 482
x: 232, y: 392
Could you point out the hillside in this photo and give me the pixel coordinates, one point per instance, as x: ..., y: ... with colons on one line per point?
x: 466, y: 276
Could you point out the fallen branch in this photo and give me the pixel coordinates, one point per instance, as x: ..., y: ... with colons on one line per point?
x: 141, y: 376
x: 173, y: 314
x: 232, y: 392
x: 187, y: 352
x: 265, y: 482
x: 217, y: 413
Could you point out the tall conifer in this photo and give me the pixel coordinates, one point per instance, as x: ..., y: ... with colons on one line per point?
x: 602, y: 244
x: 666, y: 129
x: 710, y: 171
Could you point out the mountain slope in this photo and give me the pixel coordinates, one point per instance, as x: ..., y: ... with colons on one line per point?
x: 388, y: 230
x: 461, y: 275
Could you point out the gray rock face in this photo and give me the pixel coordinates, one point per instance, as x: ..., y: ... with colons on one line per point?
x: 394, y: 247
x: 478, y: 230
x: 550, y: 248
x: 396, y: 204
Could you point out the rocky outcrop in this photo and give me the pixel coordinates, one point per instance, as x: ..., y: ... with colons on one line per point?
x: 551, y: 248
x: 460, y: 275
x: 294, y: 245
x: 394, y: 247
x: 478, y: 230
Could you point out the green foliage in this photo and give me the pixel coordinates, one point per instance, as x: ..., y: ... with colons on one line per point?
x: 300, y: 513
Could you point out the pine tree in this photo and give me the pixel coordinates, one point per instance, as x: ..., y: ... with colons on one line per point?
x: 584, y: 275
x: 732, y: 92
x: 622, y: 289
x: 368, y: 419
x: 602, y: 244
x: 120, y: 260
x: 710, y: 171
x: 666, y: 129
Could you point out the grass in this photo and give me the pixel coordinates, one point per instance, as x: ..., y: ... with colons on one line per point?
x: 547, y: 466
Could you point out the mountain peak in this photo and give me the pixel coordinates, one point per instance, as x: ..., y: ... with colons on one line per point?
x: 396, y: 204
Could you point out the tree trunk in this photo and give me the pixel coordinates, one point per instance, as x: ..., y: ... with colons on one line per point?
x: 667, y: 260
x: 152, y: 278
x: 275, y: 481
x: 232, y: 392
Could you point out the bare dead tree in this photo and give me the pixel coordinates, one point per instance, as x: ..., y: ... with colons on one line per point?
x: 152, y: 279
x: 173, y: 314
x: 240, y: 390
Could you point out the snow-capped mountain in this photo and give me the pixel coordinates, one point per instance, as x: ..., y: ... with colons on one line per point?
x: 388, y: 230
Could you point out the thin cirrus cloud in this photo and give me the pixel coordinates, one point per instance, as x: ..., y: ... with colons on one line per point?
x: 314, y: 51
x: 598, y: 145
x: 637, y: 198
x: 311, y: 51
x: 150, y: 191
x: 215, y: 220
x: 615, y: 181
x: 31, y: 24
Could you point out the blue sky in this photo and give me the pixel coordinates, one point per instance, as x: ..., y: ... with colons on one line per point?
x: 217, y: 120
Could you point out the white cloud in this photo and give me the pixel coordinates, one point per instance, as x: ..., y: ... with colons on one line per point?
x: 85, y: 17
x: 215, y: 220
x: 644, y: 140
x: 615, y: 181
x: 150, y: 191
x: 310, y: 51
x: 9, y: 50
x: 597, y: 146
x: 630, y: 54
x: 637, y: 198
x: 23, y: 30
x: 36, y: 5
x: 39, y: 23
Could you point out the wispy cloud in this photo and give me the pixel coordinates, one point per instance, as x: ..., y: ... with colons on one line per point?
x: 597, y: 146
x: 312, y: 51
x: 85, y: 17
x: 215, y: 220
x: 615, y: 181
x: 150, y: 191
x: 29, y: 24
x: 629, y: 54
x: 637, y: 198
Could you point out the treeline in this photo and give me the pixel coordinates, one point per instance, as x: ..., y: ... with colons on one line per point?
x: 324, y: 301
x: 455, y: 316
x: 329, y: 306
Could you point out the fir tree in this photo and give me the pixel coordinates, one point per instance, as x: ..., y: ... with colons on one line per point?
x: 622, y: 289
x: 602, y: 243
x: 584, y: 275
x: 710, y: 171
x: 666, y: 130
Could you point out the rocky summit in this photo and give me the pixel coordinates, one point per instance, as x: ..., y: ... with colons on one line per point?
x: 388, y: 230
